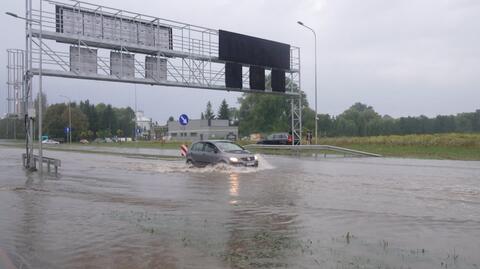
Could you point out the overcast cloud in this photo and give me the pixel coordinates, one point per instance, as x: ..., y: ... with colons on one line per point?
x: 403, y: 57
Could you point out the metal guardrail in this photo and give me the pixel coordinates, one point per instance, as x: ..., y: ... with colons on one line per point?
x: 315, y: 147
x: 49, y: 161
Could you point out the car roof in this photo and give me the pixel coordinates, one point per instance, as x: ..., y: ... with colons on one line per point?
x: 214, y: 141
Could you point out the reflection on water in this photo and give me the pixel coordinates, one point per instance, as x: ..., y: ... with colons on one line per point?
x: 115, y: 212
x: 233, y: 184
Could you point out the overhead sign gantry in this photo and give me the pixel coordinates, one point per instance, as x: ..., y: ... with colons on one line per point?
x: 75, y: 39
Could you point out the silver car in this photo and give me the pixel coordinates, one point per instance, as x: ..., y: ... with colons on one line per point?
x: 203, y: 153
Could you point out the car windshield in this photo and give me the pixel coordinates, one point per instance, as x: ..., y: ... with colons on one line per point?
x: 226, y: 146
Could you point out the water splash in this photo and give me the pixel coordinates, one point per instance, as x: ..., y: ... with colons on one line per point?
x: 182, y: 167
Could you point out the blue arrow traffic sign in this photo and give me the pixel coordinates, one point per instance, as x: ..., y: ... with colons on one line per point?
x: 183, y: 119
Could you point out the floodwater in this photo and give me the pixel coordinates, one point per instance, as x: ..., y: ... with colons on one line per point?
x: 116, y: 212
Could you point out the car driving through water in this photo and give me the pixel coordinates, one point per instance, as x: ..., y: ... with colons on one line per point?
x: 203, y: 153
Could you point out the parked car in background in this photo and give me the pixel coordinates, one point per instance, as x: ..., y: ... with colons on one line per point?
x: 278, y: 139
x: 203, y: 153
x: 50, y: 142
x: 84, y: 141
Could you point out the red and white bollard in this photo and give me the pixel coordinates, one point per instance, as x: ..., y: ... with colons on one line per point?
x: 184, y: 150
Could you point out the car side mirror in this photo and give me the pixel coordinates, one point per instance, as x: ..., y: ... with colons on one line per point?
x: 216, y: 151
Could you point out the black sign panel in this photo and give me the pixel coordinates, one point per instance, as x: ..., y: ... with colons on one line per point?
x: 278, y: 80
x: 257, y: 78
x: 233, y: 75
x: 250, y: 50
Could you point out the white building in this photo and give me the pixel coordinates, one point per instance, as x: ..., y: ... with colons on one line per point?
x: 144, y: 125
x: 201, y: 130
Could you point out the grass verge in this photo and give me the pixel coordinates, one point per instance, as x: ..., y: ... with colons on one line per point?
x: 435, y: 146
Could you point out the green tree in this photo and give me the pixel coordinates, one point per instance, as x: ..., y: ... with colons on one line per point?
x: 234, y: 114
x: 345, y: 127
x: 476, y: 121
x: 57, y: 118
x: 125, y: 120
x: 263, y: 113
x: 308, y: 120
x: 12, y: 128
x: 267, y: 113
x: 325, y: 125
x: 464, y: 123
x: 223, y: 111
x: 444, y: 124
x: 54, y: 123
x: 209, y: 112
x: 104, y: 133
x: 108, y: 118
x: 91, y: 113
x: 359, y: 115
x: 389, y: 125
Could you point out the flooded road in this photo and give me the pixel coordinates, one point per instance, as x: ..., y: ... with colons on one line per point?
x: 116, y: 212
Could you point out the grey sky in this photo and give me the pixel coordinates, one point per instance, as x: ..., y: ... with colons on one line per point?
x: 403, y: 57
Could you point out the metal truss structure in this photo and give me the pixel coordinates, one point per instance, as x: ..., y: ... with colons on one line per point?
x: 75, y: 39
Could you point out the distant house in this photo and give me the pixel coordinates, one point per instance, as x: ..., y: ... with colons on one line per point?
x: 202, y: 130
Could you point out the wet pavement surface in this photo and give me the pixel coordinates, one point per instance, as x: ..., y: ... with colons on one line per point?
x: 107, y: 211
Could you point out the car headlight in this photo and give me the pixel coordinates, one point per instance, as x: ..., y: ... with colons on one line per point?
x: 256, y: 158
x: 233, y: 159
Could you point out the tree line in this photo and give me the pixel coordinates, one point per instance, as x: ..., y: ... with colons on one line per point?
x: 224, y: 112
x: 362, y: 120
x: 89, y: 121
x: 271, y: 113
x: 255, y: 114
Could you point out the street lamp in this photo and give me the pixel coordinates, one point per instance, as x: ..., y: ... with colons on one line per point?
x: 20, y: 17
x: 316, y: 112
x: 69, y: 119
x: 11, y: 14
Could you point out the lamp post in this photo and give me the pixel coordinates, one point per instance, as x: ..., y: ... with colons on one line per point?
x: 69, y: 119
x: 316, y: 111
